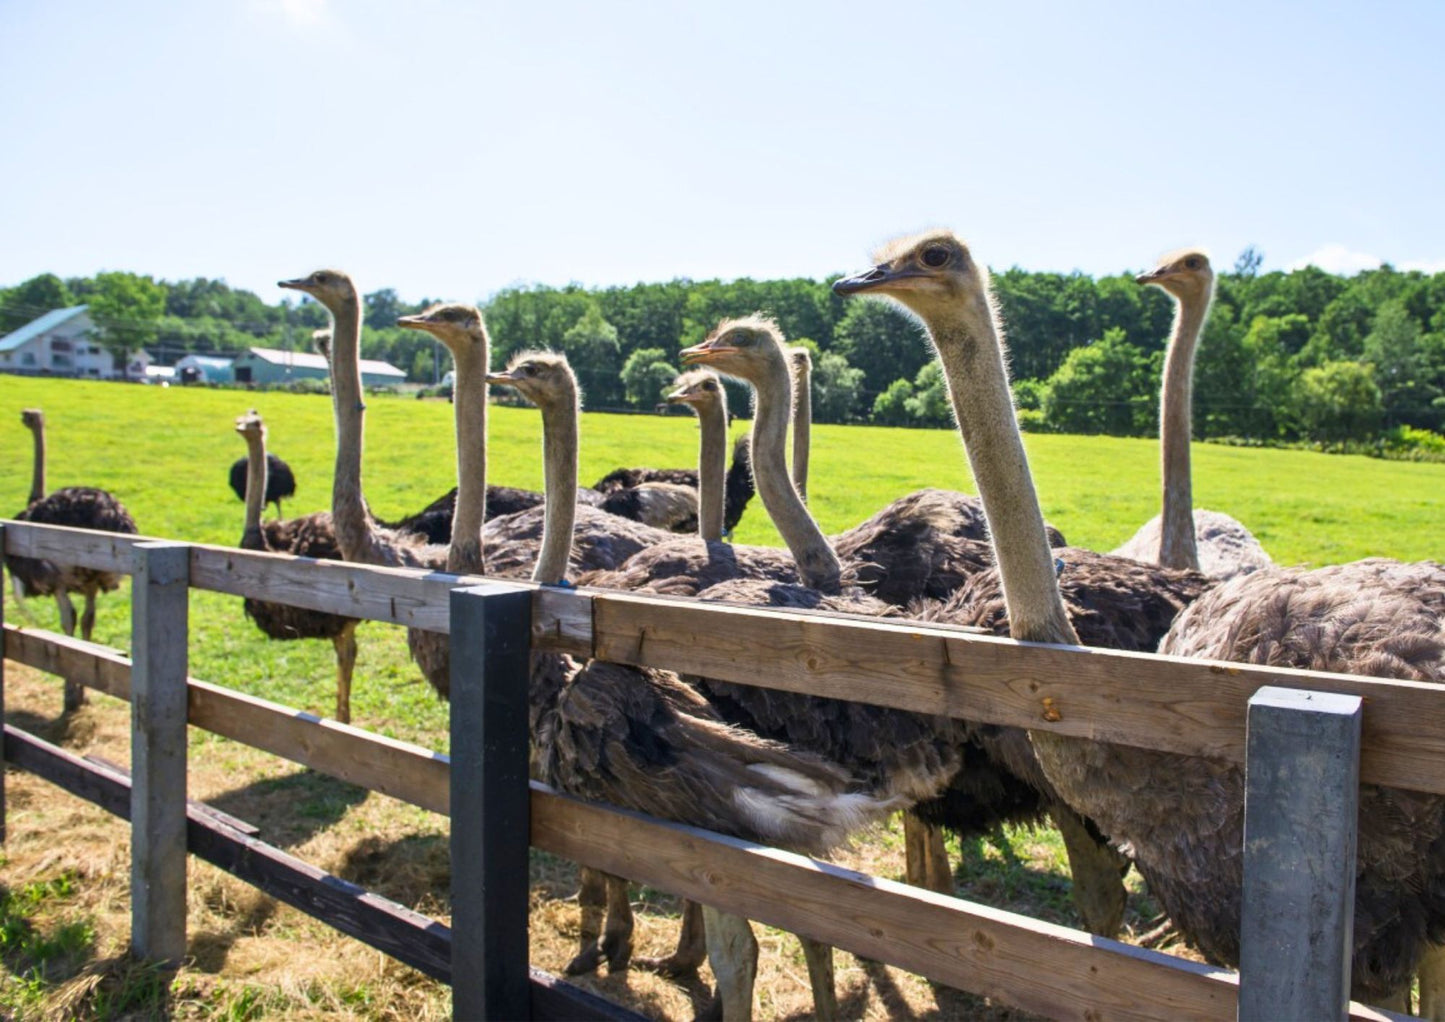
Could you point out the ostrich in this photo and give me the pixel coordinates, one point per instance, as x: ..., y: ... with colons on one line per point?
x: 644, y: 740
x: 360, y: 538
x: 308, y: 536
x: 800, y: 360
x: 280, y: 480
x: 1181, y: 537
x: 80, y: 507
x: 1183, y: 816
x: 739, y: 488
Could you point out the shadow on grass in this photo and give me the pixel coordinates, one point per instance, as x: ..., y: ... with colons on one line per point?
x: 291, y: 810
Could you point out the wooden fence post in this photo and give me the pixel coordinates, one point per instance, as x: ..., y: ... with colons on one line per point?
x: 490, y: 801
x: 1302, y: 785
x: 159, y: 632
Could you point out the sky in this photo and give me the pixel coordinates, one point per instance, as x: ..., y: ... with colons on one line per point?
x: 448, y: 150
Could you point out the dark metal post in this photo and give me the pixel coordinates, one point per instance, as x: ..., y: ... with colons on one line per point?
x: 490, y: 801
x: 1302, y: 785
x: 159, y: 632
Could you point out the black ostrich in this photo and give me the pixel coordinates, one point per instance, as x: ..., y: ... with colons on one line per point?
x: 81, y: 507
x: 280, y: 481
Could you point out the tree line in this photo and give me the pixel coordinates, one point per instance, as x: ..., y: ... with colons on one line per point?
x: 1287, y: 356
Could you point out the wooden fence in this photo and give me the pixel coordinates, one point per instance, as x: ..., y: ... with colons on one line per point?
x: 1307, y: 739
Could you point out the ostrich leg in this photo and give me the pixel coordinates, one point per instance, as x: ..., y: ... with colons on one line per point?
x: 617, y: 931
x: 733, y: 951
x: 1098, y: 872
x: 74, y: 690
x: 1431, y: 971
x: 345, y: 644
x: 691, y: 950
x: 592, y: 901
x: 820, y: 975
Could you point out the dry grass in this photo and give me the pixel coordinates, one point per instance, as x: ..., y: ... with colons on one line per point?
x: 251, y: 957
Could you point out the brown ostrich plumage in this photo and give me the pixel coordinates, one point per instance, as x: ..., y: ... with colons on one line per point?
x: 739, y: 487
x: 925, y: 545
x: 1183, y: 816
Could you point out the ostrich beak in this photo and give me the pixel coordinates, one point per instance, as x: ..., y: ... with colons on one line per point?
x: 413, y: 322
x: 705, y: 352
x: 1154, y: 276
x: 299, y: 284
x: 506, y: 379
x: 677, y: 397
x: 882, y: 277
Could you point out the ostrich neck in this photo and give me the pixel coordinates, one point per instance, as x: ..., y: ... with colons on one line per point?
x: 559, y: 465
x: 712, y: 421
x: 349, y: 513
x: 37, y: 472
x: 1177, y: 547
x: 978, y: 387
x: 464, y: 554
x: 802, y: 425
x: 255, y: 486
x: 817, y: 563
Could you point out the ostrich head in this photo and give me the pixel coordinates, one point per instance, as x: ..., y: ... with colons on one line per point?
x: 321, y: 341
x: 331, y: 288
x: 933, y: 275
x: 698, y: 389
x: 1184, y: 274
x: 800, y: 360
x: 250, y: 426
x: 748, y: 348
x: 32, y: 418
x: 459, y: 327
x: 542, y: 377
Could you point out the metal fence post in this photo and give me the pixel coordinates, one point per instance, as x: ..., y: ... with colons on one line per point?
x: 159, y: 628
x: 1302, y: 786
x: 490, y: 801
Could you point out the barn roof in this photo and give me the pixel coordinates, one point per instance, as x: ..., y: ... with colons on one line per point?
x: 311, y: 360
x: 36, y: 327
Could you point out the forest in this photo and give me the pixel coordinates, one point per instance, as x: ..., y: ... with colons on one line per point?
x: 1304, y: 356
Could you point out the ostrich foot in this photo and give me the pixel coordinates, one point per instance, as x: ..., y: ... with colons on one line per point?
x: 733, y: 951
x: 691, y: 950
x: 1098, y: 872
x: 820, y: 975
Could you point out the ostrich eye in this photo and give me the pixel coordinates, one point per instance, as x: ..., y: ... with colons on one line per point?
x: 935, y: 257
x: 1192, y: 262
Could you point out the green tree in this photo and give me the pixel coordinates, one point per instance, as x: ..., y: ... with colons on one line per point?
x: 1109, y: 386
x: 645, y: 376
x: 1403, y: 370
x: 881, y: 342
x: 837, y: 388
x: 929, y: 405
x: 32, y: 299
x: 1337, y: 401
x: 126, y: 309
x: 592, y: 347
x: 890, y: 408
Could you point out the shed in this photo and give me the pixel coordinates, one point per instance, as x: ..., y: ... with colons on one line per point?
x: 204, y: 369
x: 271, y: 365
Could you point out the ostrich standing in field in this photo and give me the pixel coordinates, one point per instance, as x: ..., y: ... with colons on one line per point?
x: 644, y: 740
x: 280, y: 480
x: 360, y: 538
x: 1181, y: 537
x: 308, y: 536
x: 739, y: 490
x: 1183, y: 816
x: 80, y: 507
x: 800, y: 361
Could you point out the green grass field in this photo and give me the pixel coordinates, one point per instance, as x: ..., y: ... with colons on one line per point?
x: 166, y: 452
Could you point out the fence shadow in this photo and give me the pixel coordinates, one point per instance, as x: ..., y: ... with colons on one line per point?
x: 292, y: 809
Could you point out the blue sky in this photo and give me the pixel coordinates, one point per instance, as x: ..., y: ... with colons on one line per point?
x: 451, y: 149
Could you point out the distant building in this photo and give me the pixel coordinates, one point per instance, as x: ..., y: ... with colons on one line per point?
x: 59, y: 343
x: 271, y: 365
x: 204, y: 369
x: 160, y: 374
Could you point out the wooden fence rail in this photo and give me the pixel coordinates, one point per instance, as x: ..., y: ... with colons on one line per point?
x: 1184, y: 706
